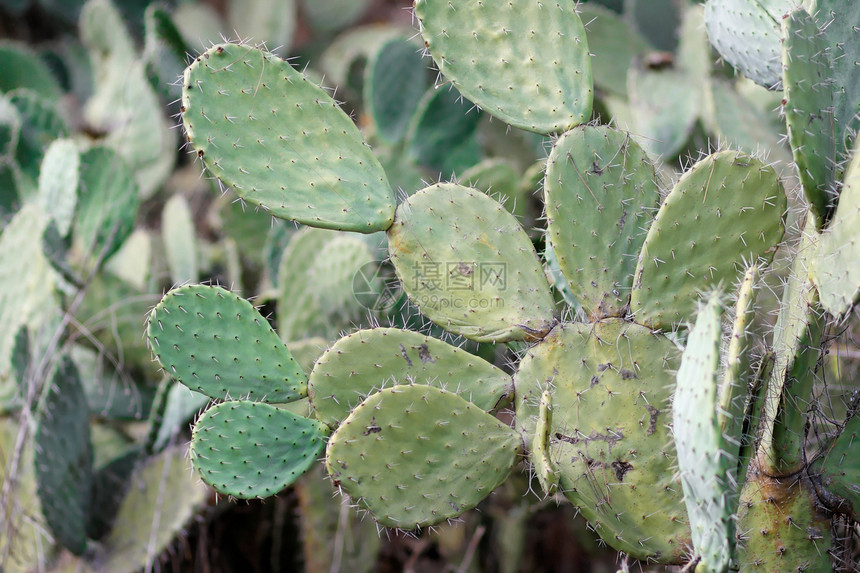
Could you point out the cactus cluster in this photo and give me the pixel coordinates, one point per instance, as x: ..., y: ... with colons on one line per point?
x: 657, y: 469
x: 555, y: 297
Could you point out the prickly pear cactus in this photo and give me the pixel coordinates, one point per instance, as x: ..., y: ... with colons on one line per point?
x: 379, y: 357
x: 417, y: 455
x: 524, y: 64
x: 248, y: 449
x: 725, y: 212
x: 218, y: 344
x: 289, y: 127
x: 609, y: 442
x: 63, y: 441
x: 600, y: 194
x: 704, y: 458
x: 469, y: 265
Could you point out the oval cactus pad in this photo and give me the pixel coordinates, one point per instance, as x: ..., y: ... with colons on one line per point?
x: 525, y: 62
x: 609, y: 439
x: 218, y: 344
x: 601, y: 195
x: 281, y: 142
x: 469, y: 266
x: 368, y: 360
x: 416, y: 455
x: 724, y: 214
x: 248, y: 449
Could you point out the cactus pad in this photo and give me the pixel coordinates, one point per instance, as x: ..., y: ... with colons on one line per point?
x: 368, y: 360
x: 64, y: 458
x: 416, y: 455
x: 333, y: 274
x: 609, y: 440
x: 394, y: 83
x: 600, y: 195
x: 218, y: 344
x: 839, y: 470
x: 546, y: 474
x: 834, y: 268
x: 782, y: 527
x: 58, y: 183
x: 747, y: 36
x: 248, y: 449
x: 727, y: 211
x: 703, y: 460
x: 160, y: 503
x: 808, y: 109
x: 523, y: 62
x: 291, y: 150
x: 299, y: 314
x: 469, y: 266
x: 840, y: 22
x: 734, y: 386
x: 107, y: 203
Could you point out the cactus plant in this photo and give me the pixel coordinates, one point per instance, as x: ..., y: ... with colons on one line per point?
x: 592, y: 398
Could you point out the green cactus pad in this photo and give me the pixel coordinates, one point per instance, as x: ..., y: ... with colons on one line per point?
x: 727, y: 211
x: 736, y: 379
x: 600, y: 195
x: 615, y: 44
x: 665, y: 106
x: 416, y: 455
x: 442, y: 133
x: 107, y: 203
x: 610, y: 441
x: 64, y: 458
x: 559, y: 282
x: 782, y: 527
x: 22, y: 68
x: 797, y: 340
x: 332, y: 276
x: 747, y: 36
x: 58, y: 183
x: 299, y: 315
x: 838, y: 471
x: 27, y: 283
x: 546, y: 474
x: 248, y: 449
x: 469, y: 266
x: 218, y: 344
x: 292, y: 150
x: 395, y: 81
x: 162, y: 498
x: 808, y: 109
x: 180, y: 244
x: 840, y: 22
x: 835, y: 270
x: 124, y: 105
x: 703, y: 459
x: 497, y: 178
x: 525, y: 64
x: 368, y: 360
x: 41, y: 123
